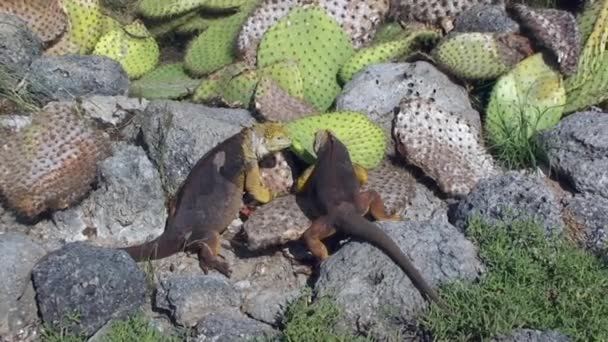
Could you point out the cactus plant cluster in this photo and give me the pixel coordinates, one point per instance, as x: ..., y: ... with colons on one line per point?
x: 51, y: 163
x: 81, y: 27
x: 528, y: 99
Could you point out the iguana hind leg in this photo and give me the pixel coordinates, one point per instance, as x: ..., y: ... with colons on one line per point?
x: 370, y: 201
x: 318, y: 230
x: 208, y: 250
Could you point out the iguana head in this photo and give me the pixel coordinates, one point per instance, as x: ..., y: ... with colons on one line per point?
x: 269, y: 137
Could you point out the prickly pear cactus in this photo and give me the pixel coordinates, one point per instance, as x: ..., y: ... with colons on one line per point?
x: 554, y: 29
x: 167, y: 8
x: 168, y: 81
x: 479, y: 56
x: 51, y: 163
x: 364, y: 139
x: 385, y: 52
x: 529, y: 98
x: 132, y: 46
x: 214, y: 48
x: 589, y: 84
x: 86, y: 22
x: 444, y: 145
x: 319, y: 46
x: 45, y: 18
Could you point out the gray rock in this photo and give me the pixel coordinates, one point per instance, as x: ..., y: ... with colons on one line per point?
x: 588, y: 215
x: 113, y: 110
x: 9, y: 223
x: 485, y: 18
x: 511, y: 196
x: 577, y: 148
x: 231, y: 326
x: 379, y: 88
x: 128, y: 206
x: 17, y: 297
x: 65, y: 78
x: 529, y: 335
x: 374, y: 292
x: 19, y: 45
x: 178, y: 134
x: 94, y: 283
x: 189, y: 298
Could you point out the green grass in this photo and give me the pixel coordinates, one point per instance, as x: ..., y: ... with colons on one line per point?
x: 135, y: 328
x: 531, y: 282
x: 305, y: 321
x: 15, y: 91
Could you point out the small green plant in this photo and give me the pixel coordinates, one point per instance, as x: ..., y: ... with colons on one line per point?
x: 532, y: 281
x: 135, y: 328
x: 61, y: 331
x: 305, y: 321
x: 138, y: 328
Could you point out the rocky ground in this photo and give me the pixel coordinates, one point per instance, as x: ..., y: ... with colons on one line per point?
x: 65, y: 260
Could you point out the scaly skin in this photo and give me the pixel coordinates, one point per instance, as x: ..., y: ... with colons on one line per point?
x: 210, y: 197
x: 332, y: 185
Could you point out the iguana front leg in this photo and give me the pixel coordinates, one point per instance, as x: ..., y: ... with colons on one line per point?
x: 208, y: 252
x: 254, y: 185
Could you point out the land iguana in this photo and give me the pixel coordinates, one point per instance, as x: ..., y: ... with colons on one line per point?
x: 332, y: 187
x: 211, y: 196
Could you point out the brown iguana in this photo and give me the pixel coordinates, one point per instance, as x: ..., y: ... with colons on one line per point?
x: 210, y: 197
x: 332, y: 187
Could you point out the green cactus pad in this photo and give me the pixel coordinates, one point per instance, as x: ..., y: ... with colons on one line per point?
x: 319, y: 45
x: 364, y: 139
x: 108, y: 24
x: 384, y: 52
x: 132, y: 47
x: 197, y: 23
x: 86, y: 23
x: 589, y: 84
x: 162, y: 27
x: 215, y: 48
x: 167, y: 8
x: 586, y: 21
x: 531, y: 97
x: 168, y: 81
x: 475, y: 55
x: 221, y: 5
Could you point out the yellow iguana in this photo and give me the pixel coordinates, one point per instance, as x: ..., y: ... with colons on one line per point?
x: 210, y: 197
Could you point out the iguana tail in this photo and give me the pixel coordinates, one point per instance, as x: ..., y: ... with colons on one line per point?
x: 161, y: 247
x: 354, y: 224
